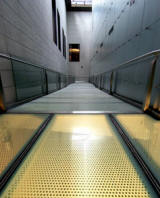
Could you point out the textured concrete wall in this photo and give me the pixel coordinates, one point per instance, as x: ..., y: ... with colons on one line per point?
x: 79, y: 31
x: 26, y: 32
x: 136, y: 29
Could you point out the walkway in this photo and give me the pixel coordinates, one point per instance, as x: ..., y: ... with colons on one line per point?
x: 58, y: 147
x: 77, y: 98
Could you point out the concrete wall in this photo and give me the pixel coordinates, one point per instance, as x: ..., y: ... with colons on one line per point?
x: 26, y: 32
x: 136, y: 31
x: 79, y: 31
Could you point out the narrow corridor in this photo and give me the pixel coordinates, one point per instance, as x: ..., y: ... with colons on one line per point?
x: 78, y: 97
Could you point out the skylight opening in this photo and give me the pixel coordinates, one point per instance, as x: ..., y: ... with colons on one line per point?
x: 81, y: 3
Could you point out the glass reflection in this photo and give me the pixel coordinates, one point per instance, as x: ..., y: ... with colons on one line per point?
x: 144, y: 133
x: 83, y: 129
x: 78, y: 124
x: 15, y: 131
x: 78, y: 156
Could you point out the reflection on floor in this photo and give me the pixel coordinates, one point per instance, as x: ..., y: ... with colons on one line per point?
x: 144, y: 133
x: 77, y: 97
x: 15, y: 131
x: 79, y: 156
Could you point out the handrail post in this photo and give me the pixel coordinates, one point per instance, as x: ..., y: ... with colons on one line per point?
x: 147, y: 99
x: 46, y: 81
x: 2, y: 105
x: 111, y: 83
x: 99, y: 82
x: 59, y: 81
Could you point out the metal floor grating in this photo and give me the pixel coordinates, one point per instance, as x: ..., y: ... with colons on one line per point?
x: 78, y: 162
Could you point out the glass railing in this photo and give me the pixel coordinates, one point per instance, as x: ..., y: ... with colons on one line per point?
x: 29, y: 80
x: 53, y: 81
x: 32, y: 81
x: 136, y: 80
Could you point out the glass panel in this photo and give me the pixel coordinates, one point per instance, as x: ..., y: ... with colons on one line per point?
x: 29, y: 80
x: 131, y: 81
x: 71, y: 79
x: 63, y: 81
x: 106, y: 81
x: 144, y: 132
x: 52, y: 78
x: 15, y: 132
x: 79, y: 156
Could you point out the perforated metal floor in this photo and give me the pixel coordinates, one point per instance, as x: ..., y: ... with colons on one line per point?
x: 15, y: 132
x: 79, y: 156
x: 144, y: 133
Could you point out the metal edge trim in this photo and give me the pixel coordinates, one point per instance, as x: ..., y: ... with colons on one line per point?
x: 125, y: 99
x: 128, y: 100
x: 15, y: 164
x: 77, y: 112
x: 11, y: 106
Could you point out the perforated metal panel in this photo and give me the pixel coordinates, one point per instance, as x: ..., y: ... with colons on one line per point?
x: 15, y: 131
x: 80, y: 164
x: 144, y: 134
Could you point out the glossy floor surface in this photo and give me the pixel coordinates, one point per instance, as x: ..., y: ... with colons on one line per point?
x: 144, y: 133
x: 77, y: 97
x: 79, y: 156
x: 15, y: 132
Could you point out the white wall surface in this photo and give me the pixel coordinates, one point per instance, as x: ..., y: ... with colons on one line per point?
x: 136, y: 31
x: 26, y: 31
x: 79, y: 31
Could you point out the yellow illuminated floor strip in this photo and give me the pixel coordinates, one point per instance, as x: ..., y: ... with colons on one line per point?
x: 15, y: 131
x: 78, y: 156
x: 144, y: 132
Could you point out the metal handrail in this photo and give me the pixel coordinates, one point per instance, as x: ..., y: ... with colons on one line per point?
x: 9, y: 57
x: 154, y: 53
